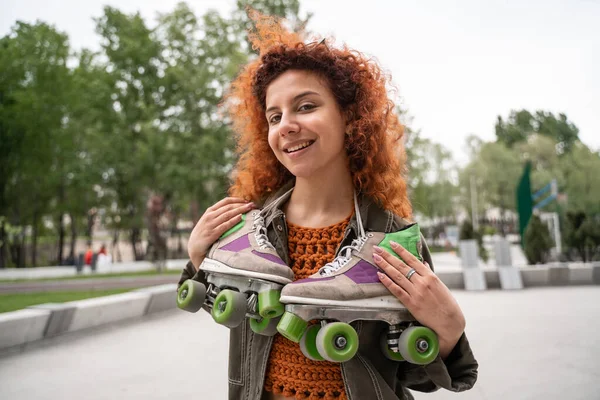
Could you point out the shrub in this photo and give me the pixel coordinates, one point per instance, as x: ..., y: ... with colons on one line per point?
x: 537, y: 241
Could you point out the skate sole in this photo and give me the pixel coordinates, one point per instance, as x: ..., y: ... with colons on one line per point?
x: 347, y: 314
x: 379, y: 303
x: 217, y: 267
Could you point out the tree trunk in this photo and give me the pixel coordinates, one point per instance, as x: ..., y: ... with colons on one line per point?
x: 73, y: 239
x: 61, y: 239
x: 115, y: 247
x: 34, y: 238
x: 134, y: 238
x: 89, y: 232
x: 3, y: 245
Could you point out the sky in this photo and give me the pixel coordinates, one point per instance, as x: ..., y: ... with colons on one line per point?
x: 456, y: 65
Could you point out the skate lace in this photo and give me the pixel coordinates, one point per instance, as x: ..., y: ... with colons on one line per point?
x: 260, y: 232
x: 345, y: 254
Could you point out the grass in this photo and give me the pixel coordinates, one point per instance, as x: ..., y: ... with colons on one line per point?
x: 18, y: 301
x: 96, y: 276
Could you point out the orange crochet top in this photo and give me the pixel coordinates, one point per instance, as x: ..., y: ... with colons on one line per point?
x: 289, y: 372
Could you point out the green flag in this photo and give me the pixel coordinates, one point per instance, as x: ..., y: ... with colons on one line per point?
x: 524, y: 200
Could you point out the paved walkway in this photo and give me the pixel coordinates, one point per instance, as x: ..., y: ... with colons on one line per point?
x: 531, y: 344
x: 87, y: 284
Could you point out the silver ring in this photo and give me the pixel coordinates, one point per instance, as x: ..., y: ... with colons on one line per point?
x: 410, y: 273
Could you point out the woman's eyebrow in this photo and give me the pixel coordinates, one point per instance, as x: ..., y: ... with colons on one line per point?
x: 299, y: 96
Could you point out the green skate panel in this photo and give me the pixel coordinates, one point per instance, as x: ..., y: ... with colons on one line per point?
x: 409, y: 349
x: 328, y: 336
x: 235, y: 228
x: 269, y: 305
x: 408, y: 238
x: 291, y: 327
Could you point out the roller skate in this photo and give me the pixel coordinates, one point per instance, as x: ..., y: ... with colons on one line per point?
x: 244, y: 277
x: 348, y: 289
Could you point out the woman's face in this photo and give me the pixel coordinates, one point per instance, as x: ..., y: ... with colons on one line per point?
x: 306, y: 125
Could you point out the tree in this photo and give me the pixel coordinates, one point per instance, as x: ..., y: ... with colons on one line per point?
x: 34, y: 91
x: 537, y: 241
x: 522, y: 124
x: 495, y: 173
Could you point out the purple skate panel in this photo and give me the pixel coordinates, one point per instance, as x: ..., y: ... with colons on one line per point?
x: 238, y: 244
x: 269, y: 257
x: 363, y: 272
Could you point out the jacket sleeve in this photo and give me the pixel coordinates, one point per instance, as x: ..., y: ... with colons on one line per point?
x: 189, y: 272
x: 457, y: 373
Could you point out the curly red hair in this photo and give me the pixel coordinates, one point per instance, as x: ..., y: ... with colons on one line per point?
x: 374, y: 146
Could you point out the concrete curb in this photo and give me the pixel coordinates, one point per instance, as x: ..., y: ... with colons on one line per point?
x: 19, y: 328
x: 576, y: 274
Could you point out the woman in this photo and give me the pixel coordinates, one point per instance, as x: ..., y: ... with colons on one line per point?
x: 317, y: 119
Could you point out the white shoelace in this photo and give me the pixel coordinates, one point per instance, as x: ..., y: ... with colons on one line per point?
x: 260, y: 232
x: 345, y: 254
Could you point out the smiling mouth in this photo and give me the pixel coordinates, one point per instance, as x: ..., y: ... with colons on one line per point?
x: 299, y: 147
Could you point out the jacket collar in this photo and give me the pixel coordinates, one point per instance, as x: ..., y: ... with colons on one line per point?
x: 277, y: 199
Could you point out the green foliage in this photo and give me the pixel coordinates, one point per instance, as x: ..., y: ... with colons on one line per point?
x: 104, y: 132
x: 537, y: 241
x: 583, y: 235
x: 431, y: 176
x: 521, y: 124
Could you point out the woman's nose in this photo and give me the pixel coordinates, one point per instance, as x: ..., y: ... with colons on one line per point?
x: 288, y: 125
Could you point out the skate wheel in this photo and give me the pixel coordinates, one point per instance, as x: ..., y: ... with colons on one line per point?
x: 265, y: 326
x: 229, y: 308
x: 291, y: 327
x: 419, y: 345
x: 308, y: 343
x: 387, y: 352
x: 191, y: 295
x: 337, y: 342
x: 269, y: 305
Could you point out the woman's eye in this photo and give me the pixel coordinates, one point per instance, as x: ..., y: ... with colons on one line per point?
x: 306, y: 107
x: 274, y: 119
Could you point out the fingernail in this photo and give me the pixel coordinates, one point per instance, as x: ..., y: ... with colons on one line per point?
x: 380, y: 275
x: 377, y: 258
x: 394, y: 244
x: 378, y: 249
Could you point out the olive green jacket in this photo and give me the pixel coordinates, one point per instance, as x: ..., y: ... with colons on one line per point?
x: 369, y: 375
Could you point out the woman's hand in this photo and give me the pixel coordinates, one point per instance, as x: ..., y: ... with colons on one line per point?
x: 214, y: 222
x: 423, y: 294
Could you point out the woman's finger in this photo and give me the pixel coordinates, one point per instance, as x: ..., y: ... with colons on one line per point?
x: 409, y: 259
x: 225, y: 226
x: 226, y: 213
x: 224, y: 202
x: 395, y: 289
x: 392, y: 259
x: 395, y: 275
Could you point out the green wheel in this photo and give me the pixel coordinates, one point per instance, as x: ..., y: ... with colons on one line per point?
x: 191, y: 295
x: 308, y: 343
x: 337, y: 342
x: 229, y: 308
x: 419, y: 345
x: 291, y: 327
x: 387, y: 352
x: 269, y: 305
x: 264, y: 326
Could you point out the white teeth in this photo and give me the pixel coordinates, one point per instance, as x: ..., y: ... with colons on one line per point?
x: 299, y: 147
